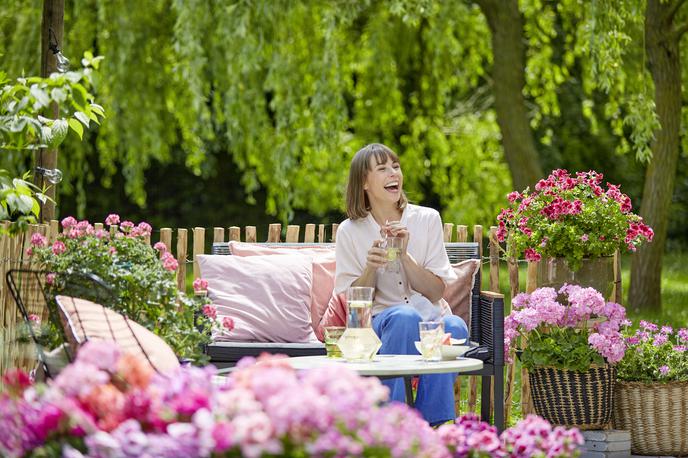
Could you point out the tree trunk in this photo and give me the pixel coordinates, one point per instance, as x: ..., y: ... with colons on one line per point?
x: 508, y: 81
x: 53, y: 18
x: 662, y: 46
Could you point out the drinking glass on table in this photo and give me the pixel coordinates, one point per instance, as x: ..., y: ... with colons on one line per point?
x: 332, y: 335
x: 431, y: 335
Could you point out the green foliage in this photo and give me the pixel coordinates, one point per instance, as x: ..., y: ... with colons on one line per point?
x: 146, y: 287
x: 288, y: 91
x: 19, y: 202
x: 23, y: 103
x: 562, y: 348
x: 655, y: 355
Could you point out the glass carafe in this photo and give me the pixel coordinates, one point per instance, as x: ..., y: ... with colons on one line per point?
x: 359, y: 342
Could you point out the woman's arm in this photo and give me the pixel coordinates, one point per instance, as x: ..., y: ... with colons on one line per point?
x: 377, y: 257
x: 422, y: 280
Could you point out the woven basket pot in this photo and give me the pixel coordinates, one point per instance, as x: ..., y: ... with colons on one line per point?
x: 656, y: 414
x: 570, y: 398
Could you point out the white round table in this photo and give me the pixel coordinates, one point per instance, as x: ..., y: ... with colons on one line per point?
x: 390, y: 366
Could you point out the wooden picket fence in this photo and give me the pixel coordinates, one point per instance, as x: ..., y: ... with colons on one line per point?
x: 12, y: 254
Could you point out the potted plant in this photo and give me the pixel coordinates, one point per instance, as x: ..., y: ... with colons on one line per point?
x: 143, y: 277
x: 651, y: 392
x: 576, y: 224
x: 572, y: 347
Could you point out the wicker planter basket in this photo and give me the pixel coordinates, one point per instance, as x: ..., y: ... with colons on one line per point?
x: 656, y: 414
x: 569, y: 398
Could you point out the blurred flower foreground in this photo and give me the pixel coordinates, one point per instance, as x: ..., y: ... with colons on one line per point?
x: 111, y: 404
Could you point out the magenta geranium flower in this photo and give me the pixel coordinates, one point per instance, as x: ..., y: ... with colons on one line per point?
x: 598, y: 220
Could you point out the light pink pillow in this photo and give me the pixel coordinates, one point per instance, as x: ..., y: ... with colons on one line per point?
x: 323, y: 270
x: 458, y: 292
x: 335, y: 315
x: 268, y: 297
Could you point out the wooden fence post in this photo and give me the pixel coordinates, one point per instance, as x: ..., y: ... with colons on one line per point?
x: 198, y: 249
x: 251, y: 234
x: 309, y: 233
x: 292, y: 233
x: 448, y: 232
x: 275, y: 233
x: 166, y: 237
x: 235, y: 234
x: 181, y: 258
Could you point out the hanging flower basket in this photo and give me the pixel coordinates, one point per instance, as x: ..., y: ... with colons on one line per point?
x: 571, y: 398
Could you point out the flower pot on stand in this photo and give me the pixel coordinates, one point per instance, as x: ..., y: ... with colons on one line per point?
x: 597, y: 273
x: 655, y: 414
x: 570, y: 398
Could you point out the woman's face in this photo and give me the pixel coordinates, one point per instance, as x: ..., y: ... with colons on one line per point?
x: 384, y: 181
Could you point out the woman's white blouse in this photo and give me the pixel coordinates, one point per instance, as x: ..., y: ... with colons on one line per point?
x: 426, y: 246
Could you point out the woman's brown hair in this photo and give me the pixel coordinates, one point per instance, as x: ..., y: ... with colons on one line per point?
x: 357, y: 203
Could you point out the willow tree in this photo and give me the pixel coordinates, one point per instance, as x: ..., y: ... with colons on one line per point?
x: 288, y: 91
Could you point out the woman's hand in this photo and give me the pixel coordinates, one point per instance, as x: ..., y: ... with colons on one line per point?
x: 377, y: 256
x: 396, y: 229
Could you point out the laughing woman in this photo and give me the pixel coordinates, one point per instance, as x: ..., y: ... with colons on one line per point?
x: 377, y: 207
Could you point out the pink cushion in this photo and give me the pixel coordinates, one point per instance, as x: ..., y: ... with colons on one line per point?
x: 335, y: 315
x: 323, y: 270
x: 268, y: 297
x: 84, y: 320
x: 458, y: 292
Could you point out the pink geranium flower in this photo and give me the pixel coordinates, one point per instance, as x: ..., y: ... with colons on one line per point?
x: 532, y: 221
x: 200, y: 284
x: 59, y: 247
x: 112, y: 219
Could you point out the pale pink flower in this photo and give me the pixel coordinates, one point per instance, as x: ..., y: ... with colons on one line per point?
x: 112, y: 219
x: 50, y: 278
x: 59, y: 247
x: 161, y: 247
x: 228, y: 323
x: 38, y: 240
x: 200, y: 284
x: 126, y: 226
x: 168, y: 262
x: 68, y: 222
x: 210, y: 311
x: 145, y: 229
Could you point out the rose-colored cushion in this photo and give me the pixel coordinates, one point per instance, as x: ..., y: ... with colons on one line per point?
x: 85, y: 320
x: 458, y: 292
x: 323, y: 270
x: 268, y: 297
x: 335, y: 315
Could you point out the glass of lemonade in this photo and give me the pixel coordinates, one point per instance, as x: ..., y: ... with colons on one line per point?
x: 393, y: 246
x: 359, y: 342
x: 332, y: 336
x: 431, y: 335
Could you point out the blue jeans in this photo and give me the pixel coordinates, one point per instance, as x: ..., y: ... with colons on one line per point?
x: 397, y: 327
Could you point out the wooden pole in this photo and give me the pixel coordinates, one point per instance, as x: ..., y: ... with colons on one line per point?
x: 53, y: 18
